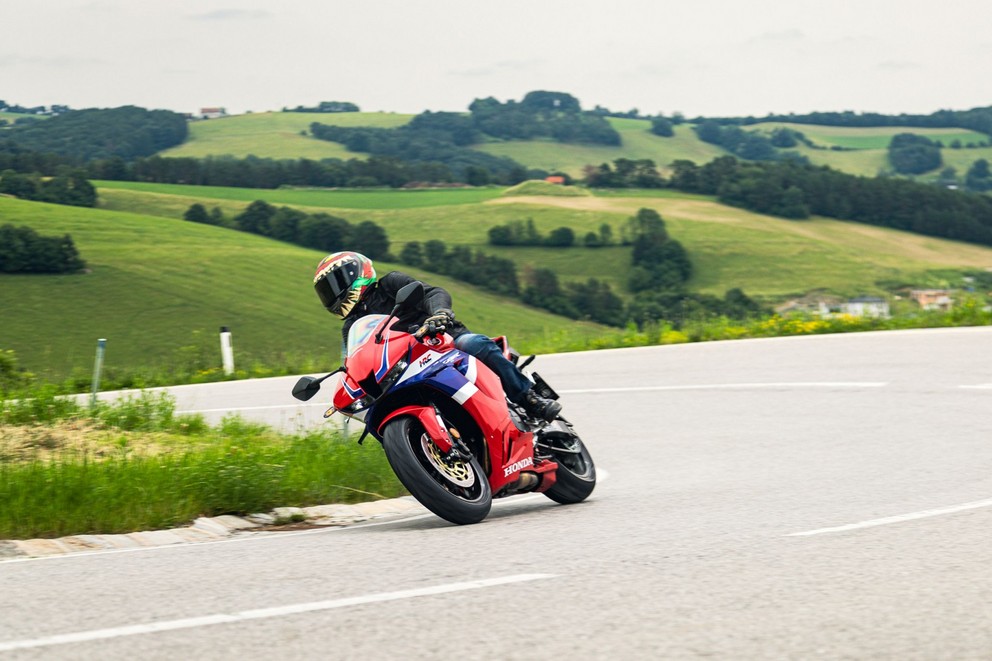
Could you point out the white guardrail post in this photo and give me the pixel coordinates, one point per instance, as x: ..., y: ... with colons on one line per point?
x: 226, y: 351
x: 101, y: 347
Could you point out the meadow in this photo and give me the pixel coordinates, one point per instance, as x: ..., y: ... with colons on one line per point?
x: 768, y: 257
x: 638, y: 143
x: 276, y: 135
x: 158, y: 289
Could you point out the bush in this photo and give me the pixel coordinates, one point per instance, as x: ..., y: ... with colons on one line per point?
x: 22, y: 250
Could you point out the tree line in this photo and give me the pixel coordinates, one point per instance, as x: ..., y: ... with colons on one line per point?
x: 797, y: 190
x: 321, y: 231
x: 67, y: 187
x: 83, y: 135
x: 326, y: 107
x: 254, y: 172
x: 22, y: 250
x: 976, y: 119
x: 444, y: 137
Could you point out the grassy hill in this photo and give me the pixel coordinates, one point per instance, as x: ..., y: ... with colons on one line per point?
x: 638, y: 143
x: 276, y: 135
x: 869, y: 155
x: 159, y: 289
x: 766, y: 256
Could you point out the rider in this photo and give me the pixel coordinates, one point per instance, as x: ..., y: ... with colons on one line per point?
x: 347, y: 285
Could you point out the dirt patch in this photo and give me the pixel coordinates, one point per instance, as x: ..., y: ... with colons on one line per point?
x: 45, y: 442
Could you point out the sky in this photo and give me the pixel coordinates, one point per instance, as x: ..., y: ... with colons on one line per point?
x: 698, y: 57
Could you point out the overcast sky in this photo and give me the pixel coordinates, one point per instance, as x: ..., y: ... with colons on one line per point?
x: 711, y: 57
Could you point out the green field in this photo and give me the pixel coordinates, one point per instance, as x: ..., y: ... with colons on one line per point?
x: 766, y: 256
x: 638, y: 143
x: 877, y: 137
x: 275, y: 135
x: 157, y: 285
x: 868, y: 155
x: 341, y: 199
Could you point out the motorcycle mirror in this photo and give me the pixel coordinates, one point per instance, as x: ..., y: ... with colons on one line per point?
x: 306, y: 388
x: 410, y: 295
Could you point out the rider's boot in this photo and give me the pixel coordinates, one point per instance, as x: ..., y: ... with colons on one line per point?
x: 539, y: 407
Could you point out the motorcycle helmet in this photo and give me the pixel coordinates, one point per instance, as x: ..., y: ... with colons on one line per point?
x: 342, y: 280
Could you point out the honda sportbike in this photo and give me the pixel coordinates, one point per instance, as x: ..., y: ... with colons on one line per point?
x: 448, y: 431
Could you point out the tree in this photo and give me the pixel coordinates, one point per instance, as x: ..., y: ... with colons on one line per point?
x: 562, y: 237
x: 978, y: 178
x: 412, y: 253
x: 196, y: 213
x: 256, y: 217
x: 370, y: 240
x: 324, y: 232
x: 661, y: 126
x: 913, y: 154
x: 285, y: 224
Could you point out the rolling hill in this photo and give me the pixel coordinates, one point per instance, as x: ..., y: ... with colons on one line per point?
x: 768, y: 257
x: 278, y: 135
x: 159, y: 288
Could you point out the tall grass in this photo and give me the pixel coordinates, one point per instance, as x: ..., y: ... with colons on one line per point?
x: 135, y: 465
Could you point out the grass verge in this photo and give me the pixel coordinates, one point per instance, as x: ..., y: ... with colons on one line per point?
x: 136, y: 466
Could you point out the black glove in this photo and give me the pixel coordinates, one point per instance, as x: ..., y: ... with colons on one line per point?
x: 436, y: 324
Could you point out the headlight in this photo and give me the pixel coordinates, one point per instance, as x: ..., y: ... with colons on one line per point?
x: 393, y: 375
x: 357, y: 409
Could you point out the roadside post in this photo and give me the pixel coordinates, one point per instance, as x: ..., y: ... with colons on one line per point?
x: 226, y: 351
x: 101, y: 347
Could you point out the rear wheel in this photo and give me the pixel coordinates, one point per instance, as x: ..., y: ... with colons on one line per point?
x: 576, y: 475
x: 456, y: 490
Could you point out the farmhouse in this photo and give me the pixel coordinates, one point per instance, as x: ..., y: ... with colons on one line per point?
x: 932, y: 299
x: 212, y: 113
x: 866, y: 306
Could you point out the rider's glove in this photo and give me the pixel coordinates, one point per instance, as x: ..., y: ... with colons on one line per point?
x: 442, y: 318
x: 436, y: 324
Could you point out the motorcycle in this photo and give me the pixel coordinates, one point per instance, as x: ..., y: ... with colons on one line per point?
x: 449, y: 433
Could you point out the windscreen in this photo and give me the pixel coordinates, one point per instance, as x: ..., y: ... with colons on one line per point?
x: 361, y: 331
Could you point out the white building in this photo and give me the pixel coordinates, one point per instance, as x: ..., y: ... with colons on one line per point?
x: 866, y: 306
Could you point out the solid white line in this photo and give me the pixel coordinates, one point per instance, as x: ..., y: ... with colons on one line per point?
x: 719, y: 386
x: 262, y: 613
x: 254, y: 408
x: 980, y: 386
x: 898, y: 519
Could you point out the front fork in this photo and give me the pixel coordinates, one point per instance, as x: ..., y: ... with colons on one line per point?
x: 450, y: 445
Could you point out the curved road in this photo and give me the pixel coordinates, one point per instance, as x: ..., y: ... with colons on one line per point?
x: 820, y: 497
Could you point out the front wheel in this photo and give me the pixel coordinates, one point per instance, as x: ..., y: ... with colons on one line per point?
x: 454, y: 489
x: 576, y: 475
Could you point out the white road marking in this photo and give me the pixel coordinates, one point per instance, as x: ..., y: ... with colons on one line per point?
x: 980, y: 386
x: 719, y: 386
x: 254, y: 408
x: 951, y: 509
x: 262, y: 613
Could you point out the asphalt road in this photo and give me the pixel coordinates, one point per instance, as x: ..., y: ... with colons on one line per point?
x: 823, y: 497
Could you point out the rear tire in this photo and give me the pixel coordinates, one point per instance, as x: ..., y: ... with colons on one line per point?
x: 575, y: 478
x: 457, y: 491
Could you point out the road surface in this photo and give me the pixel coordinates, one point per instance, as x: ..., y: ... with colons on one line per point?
x: 818, y: 497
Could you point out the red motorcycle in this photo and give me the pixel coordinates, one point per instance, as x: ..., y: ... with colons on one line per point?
x: 449, y: 433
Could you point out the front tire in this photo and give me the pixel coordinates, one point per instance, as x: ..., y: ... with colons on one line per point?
x: 456, y: 490
x: 575, y: 478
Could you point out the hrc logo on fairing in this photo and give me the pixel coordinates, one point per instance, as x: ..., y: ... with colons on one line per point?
x: 518, y: 465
